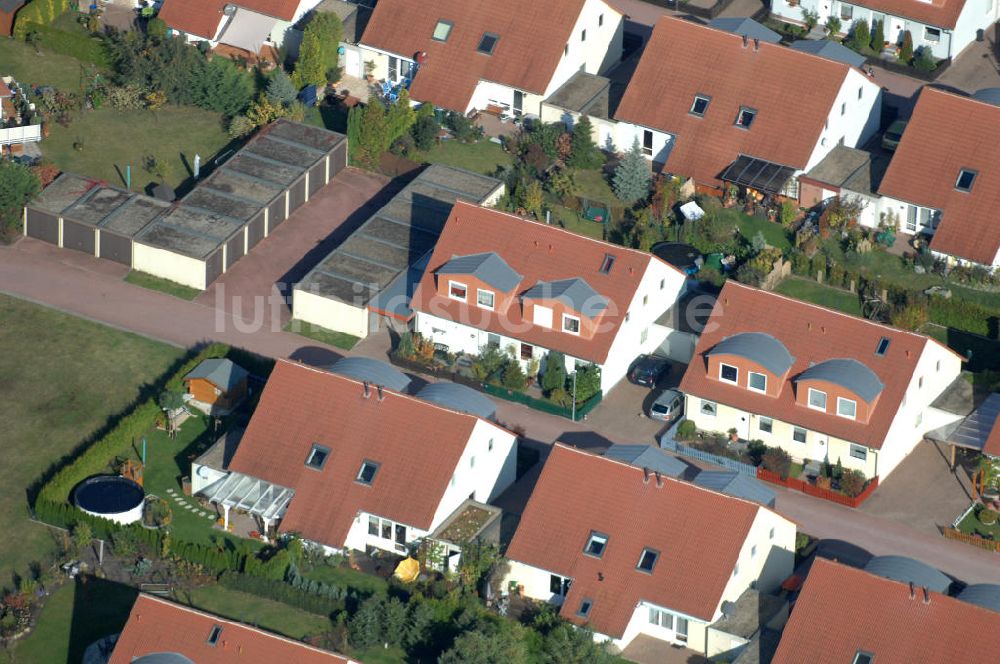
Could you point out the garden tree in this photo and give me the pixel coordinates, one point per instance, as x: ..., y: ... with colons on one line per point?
x: 329, y: 31
x: 156, y: 28
x: 906, y: 50
x: 354, y: 116
x: 852, y: 482
x: 496, y: 646
x: 878, y: 36
x: 565, y: 644
x: 419, y: 617
x: 400, y: 117
x: 555, y: 372
x: 425, y: 132
x: 632, y: 175
x: 366, y: 624
x: 584, y: 153
x: 263, y: 110
x: 860, y: 36
x: 644, y: 232
x: 777, y: 460
x: 223, y: 88
x: 310, y: 68
x: 588, y: 381
x: 373, y: 134
x: 18, y: 186
x: 170, y: 399
x: 534, y: 198
x: 240, y: 126
x: 513, y: 377
x: 280, y: 89
x: 394, y: 619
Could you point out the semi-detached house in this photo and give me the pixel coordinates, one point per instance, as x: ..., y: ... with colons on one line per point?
x: 349, y: 464
x: 817, y: 383
x: 627, y: 551
x: 497, y: 279
x: 462, y: 55
x: 244, y: 24
x: 721, y: 107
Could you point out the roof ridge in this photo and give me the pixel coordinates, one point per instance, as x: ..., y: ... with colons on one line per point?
x: 947, y: 94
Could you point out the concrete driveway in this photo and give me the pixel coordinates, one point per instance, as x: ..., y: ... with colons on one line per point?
x: 622, y: 413
x: 922, y: 492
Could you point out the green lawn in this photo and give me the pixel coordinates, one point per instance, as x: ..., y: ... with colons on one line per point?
x: 380, y: 655
x: 63, y: 378
x: 321, y: 334
x: 45, y: 68
x: 971, y: 525
x: 347, y: 577
x: 163, y: 285
x: 112, y: 140
x: 253, y: 610
x: 572, y: 221
x: 482, y: 157
x: 826, y: 296
x: 749, y: 226
x: 593, y: 186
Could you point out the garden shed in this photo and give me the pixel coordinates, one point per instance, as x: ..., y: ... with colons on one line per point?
x: 195, y: 240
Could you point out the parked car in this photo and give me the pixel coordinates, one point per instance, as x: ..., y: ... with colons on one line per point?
x: 668, y: 407
x: 648, y: 370
x: 892, y: 135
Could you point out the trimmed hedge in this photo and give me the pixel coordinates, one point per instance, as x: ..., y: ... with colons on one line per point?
x: 964, y: 315
x: 38, y: 13
x: 283, y: 592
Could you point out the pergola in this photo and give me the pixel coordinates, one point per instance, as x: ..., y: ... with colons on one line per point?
x: 263, y: 499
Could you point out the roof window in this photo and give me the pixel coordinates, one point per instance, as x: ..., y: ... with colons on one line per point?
x: 213, y: 636
x: 585, y: 607
x: 966, y: 177
x: 745, y: 117
x: 317, y: 456
x: 596, y: 544
x: 883, y: 346
x: 700, y: 105
x: 366, y: 475
x: 607, y: 263
x: 863, y: 657
x: 647, y: 561
x: 442, y: 30
x: 488, y: 43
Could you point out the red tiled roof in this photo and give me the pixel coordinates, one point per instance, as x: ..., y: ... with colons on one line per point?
x: 683, y: 59
x: 811, y: 334
x: 946, y: 134
x: 159, y: 626
x: 992, y: 445
x: 4, y: 90
x: 532, y: 37
x: 935, y: 13
x: 842, y: 610
x: 539, y: 252
x: 579, y: 492
x: 202, y: 17
x: 416, y: 443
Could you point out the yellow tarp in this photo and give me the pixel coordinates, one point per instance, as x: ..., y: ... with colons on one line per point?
x: 408, y: 570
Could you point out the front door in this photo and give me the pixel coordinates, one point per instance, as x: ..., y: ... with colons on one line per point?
x: 352, y: 63
x: 743, y: 426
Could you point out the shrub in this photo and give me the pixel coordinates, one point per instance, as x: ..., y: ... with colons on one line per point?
x: 280, y: 89
x: 513, y: 377
x: 686, y: 430
x: 425, y: 131
x: 156, y: 28
x: 833, y: 24
x: 555, y: 372
x: 789, y: 212
x: 906, y: 50
x: 878, y: 36
x: 584, y: 152
x: 861, y: 36
x: 126, y: 98
x: 463, y: 128
x: 852, y: 482
x: 777, y: 461
x: 925, y: 60
x: 987, y: 517
x: 632, y: 176
x: 910, y: 317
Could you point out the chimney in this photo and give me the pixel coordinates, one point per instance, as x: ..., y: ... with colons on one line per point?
x: 368, y: 391
x: 381, y: 394
x: 645, y: 475
x: 927, y: 596
x: 809, y: 325
x: 756, y: 44
x: 746, y: 41
x: 913, y: 594
x: 822, y: 328
x: 600, y: 576
x: 659, y: 480
x: 552, y: 249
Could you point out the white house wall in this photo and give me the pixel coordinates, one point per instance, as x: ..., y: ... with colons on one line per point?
x: 329, y: 313
x: 853, y: 119
x: 359, y: 539
x: 976, y: 15
x: 169, y: 265
x: 535, y: 582
x: 604, y: 132
x: 202, y: 476
x: 663, y: 142
x: 601, y: 50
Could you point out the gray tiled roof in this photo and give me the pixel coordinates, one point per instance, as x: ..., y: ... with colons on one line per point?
x: 825, y: 48
x: 746, y: 27
x: 909, y: 570
x: 645, y: 456
x: 986, y: 595
x: 222, y: 373
x: 735, y: 484
x: 459, y: 397
x: 575, y: 293
x: 758, y: 347
x: 375, y: 372
x: 848, y: 373
x: 489, y: 268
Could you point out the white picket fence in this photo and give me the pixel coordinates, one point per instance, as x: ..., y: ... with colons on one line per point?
x: 25, y: 134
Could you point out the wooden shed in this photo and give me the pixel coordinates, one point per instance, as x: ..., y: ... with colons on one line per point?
x: 219, y: 383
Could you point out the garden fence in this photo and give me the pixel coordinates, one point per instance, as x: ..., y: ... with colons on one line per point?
x: 981, y: 542
x: 725, y: 462
x: 818, y: 492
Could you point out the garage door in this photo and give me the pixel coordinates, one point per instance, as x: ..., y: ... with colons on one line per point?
x: 234, y: 249
x: 317, y: 177
x: 297, y: 195
x: 117, y: 248
x: 338, y: 160
x: 275, y: 213
x: 678, y: 346
x: 213, y: 267
x: 255, y: 230
x: 78, y: 236
x: 43, y: 226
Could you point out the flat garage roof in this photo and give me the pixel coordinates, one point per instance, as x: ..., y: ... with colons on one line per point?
x: 373, y: 267
x: 217, y: 207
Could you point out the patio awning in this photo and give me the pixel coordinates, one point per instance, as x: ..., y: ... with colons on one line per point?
x: 973, y: 431
x: 247, y: 30
x: 260, y: 498
x: 758, y: 174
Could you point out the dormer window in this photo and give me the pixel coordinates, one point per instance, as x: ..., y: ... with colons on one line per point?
x: 700, y: 105
x: 457, y: 291
x: 728, y: 373
x: 442, y: 30
x: 213, y: 636
x: 745, y: 117
x: 366, y: 474
x: 318, y: 456
x: 607, y: 263
x: 571, y: 324
x: 484, y: 298
x: 965, y: 179
x: 847, y: 407
x: 647, y: 561
x: 596, y: 544
x: 817, y: 399
x: 585, y: 606
x: 487, y: 43
x: 757, y: 381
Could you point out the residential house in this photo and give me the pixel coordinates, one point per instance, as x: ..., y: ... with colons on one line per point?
x: 946, y: 27
x: 851, y: 175
x: 497, y: 279
x: 844, y: 614
x: 817, y: 383
x: 719, y: 107
x: 943, y: 180
x: 247, y: 25
x: 479, y: 54
x: 159, y: 631
x: 626, y: 551
x: 217, y: 383
x: 350, y: 464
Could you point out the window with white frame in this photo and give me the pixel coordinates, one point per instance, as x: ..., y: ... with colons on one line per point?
x: 373, y: 525
x: 317, y: 456
x: 484, y: 298
x: 442, y: 30
x: 709, y: 408
x: 647, y: 561
x: 457, y: 290
x: 770, y: 535
x: 366, y: 474
x: 932, y: 35
x: 757, y: 381
x: 765, y: 424
x: 859, y: 452
x: 745, y: 117
x: 700, y: 105
x: 817, y: 399
x: 798, y: 434
x: 863, y: 657
x: 728, y: 373
x: 643, y: 335
x: 596, y: 544
x: 847, y: 407
x: 669, y: 621
x: 541, y: 315
x: 571, y: 324
x: 559, y: 585
x: 753, y: 552
x: 647, y: 142
x: 846, y: 12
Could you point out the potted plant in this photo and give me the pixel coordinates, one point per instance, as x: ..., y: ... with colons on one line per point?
x: 369, y: 69
x: 733, y: 437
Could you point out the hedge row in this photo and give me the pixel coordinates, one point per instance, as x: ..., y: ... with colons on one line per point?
x: 964, y: 315
x: 282, y: 592
x: 38, y: 13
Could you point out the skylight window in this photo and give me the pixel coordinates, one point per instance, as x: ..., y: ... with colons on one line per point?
x: 585, y: 606
x: 596, y: 544
x: 863, y: 657
x: 607, y: 263
x: 745, y: 117
x: 442, y: 30
x: 366, y: 475
x: 700, y: 105
x: 965, y: 179
x: 317, y: 457
x: 647, y: 561
x: 883, y: 346
x: 213, y: 636
x: 488, y: 43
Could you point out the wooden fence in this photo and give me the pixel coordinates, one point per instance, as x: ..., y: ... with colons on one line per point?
x: 982, y: 543
x: 818, y: 492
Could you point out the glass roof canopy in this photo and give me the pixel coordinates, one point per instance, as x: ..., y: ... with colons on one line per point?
x: 758, y: 174
x: 260, y: 498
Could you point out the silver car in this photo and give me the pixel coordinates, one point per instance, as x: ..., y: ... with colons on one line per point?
x: 667, y: 407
